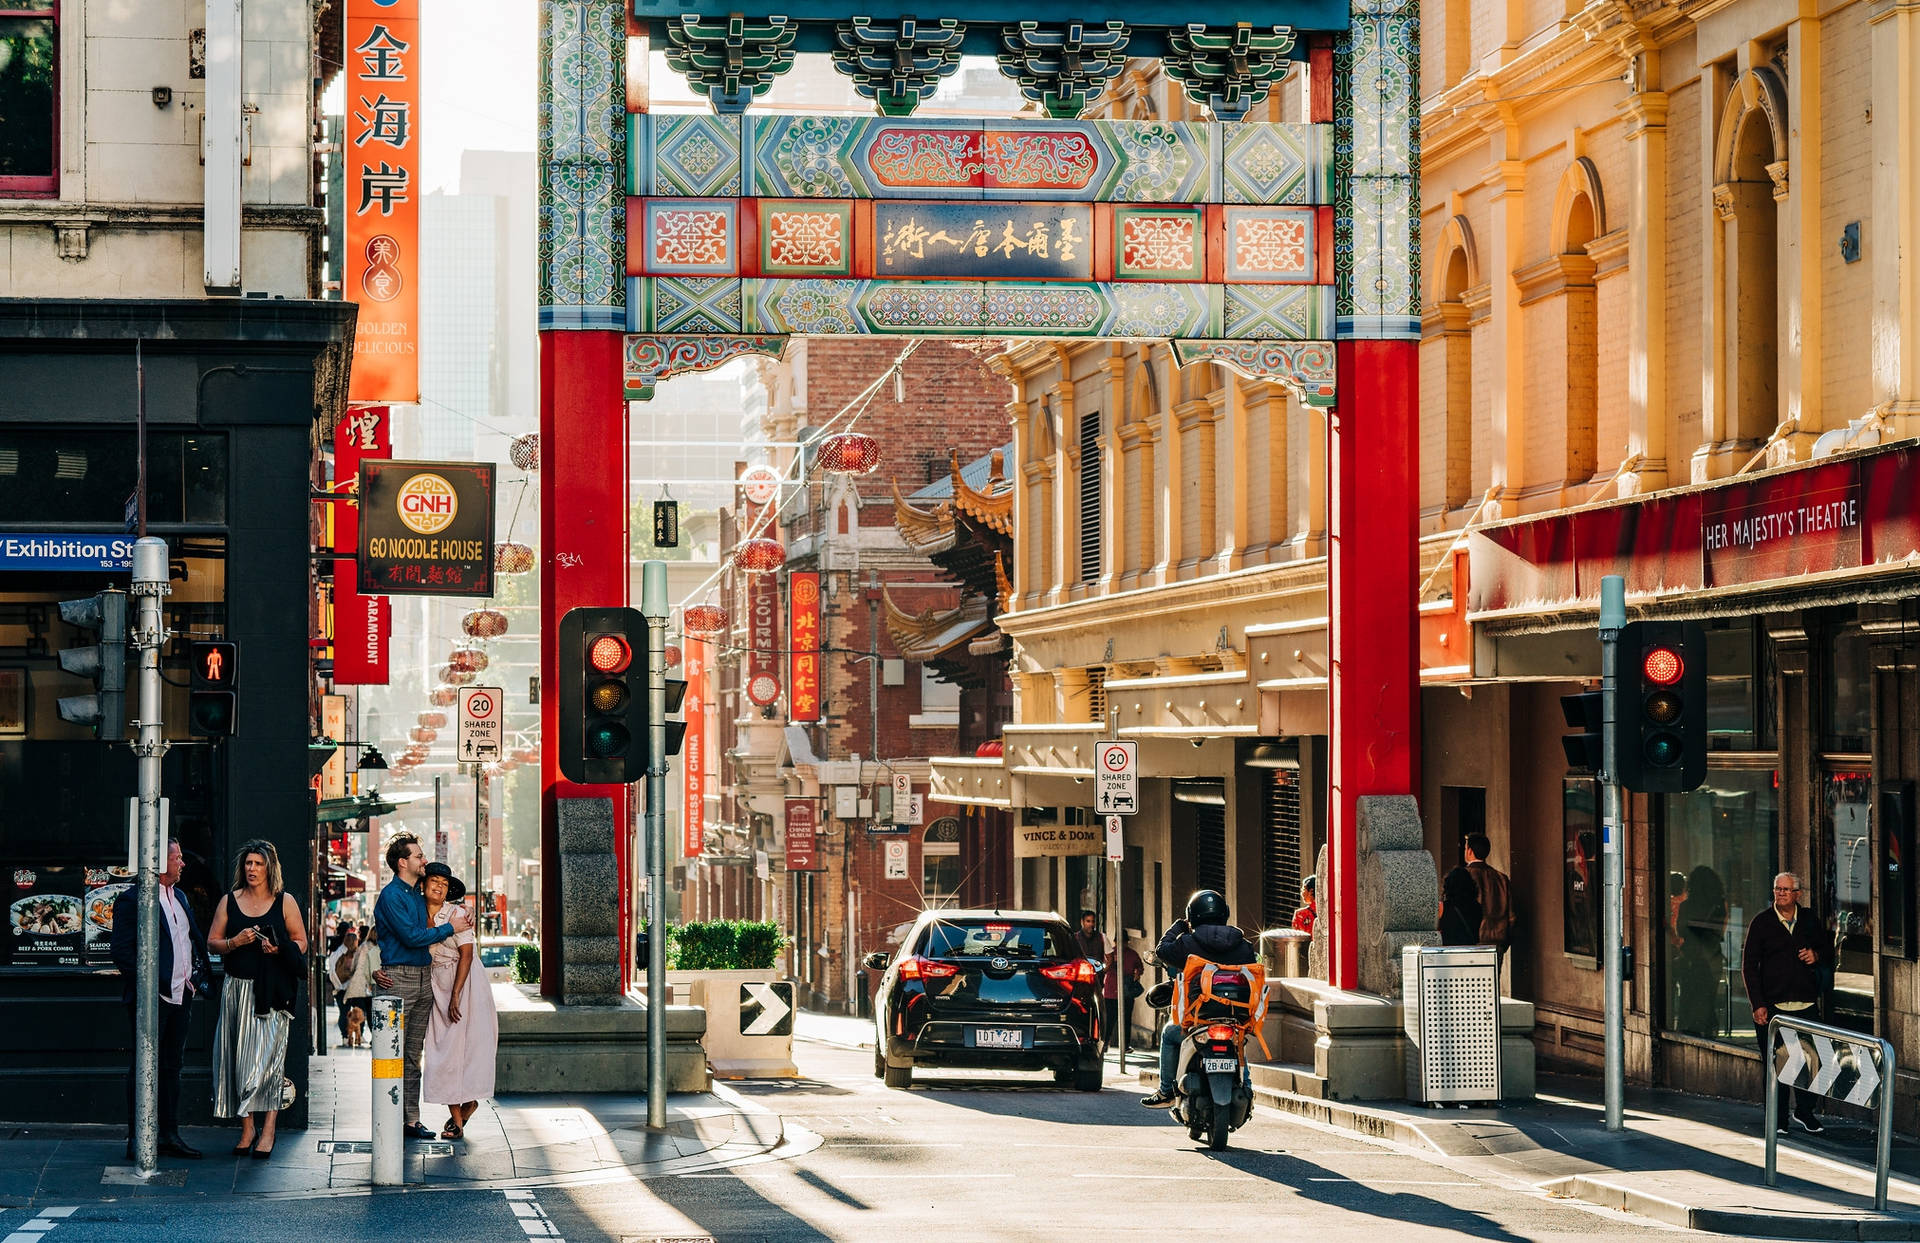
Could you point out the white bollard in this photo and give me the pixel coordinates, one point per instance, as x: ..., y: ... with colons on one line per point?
x: 389, y: 1024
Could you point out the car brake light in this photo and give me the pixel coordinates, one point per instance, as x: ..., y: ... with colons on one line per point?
x: 925, y: 969
x: 1079, y: 971
x: 1218, y: 1032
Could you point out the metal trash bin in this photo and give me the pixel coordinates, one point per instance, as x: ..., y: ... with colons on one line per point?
x: 1450, y: 1003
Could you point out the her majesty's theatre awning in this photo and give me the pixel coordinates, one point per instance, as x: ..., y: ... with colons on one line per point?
x: 1832, y: 531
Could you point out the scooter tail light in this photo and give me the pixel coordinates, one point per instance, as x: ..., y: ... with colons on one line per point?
x: 1219, y: 1032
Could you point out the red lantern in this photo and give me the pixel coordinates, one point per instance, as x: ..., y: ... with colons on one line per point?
x: 849, y: 453
x: 433, y: 720
x: 484, y: 623
x: 511, y: 558
x: 672, y: 653
x: 704, y: 621
x: 992, y: 748
x: 472, y: 659
x: 457, y: 677
x: 524, y: 452
x: 759, y: 556
x: 443, y: 696
x: 527, y: 755
x: 423, y: 734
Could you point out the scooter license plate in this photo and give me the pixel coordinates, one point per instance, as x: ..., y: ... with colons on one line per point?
x: 1219, y: 1065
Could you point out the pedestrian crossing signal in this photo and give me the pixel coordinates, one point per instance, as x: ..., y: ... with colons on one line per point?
x: 212, y: 705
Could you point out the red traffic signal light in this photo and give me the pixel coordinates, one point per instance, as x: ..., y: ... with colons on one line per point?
x: 216, y: 664
x: 1663, y: 666
x: 609, y: 653
x: 603, y: 737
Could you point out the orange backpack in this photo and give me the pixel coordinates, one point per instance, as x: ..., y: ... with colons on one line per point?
x: 1211, y: 992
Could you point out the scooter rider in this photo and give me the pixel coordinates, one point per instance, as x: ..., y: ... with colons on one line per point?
x: 1206, y: 933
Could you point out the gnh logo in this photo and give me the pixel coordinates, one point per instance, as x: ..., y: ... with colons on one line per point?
x: 427, y: 504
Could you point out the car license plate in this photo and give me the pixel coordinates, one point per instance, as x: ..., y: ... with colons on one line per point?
x: 999, y: 1038
x: 1219, y: 1065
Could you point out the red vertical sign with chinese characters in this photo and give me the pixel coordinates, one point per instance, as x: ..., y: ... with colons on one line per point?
x: 693, y: 749
x: 382, y: 263
x: 803, y: 629
x: 361, y: 624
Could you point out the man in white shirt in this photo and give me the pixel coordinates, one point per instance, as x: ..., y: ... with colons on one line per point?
x: 184, y: 971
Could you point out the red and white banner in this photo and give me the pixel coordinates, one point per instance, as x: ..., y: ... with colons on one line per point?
x: 362, y: 625
x: 693, y: 750
x: 382, y: 263
x: 801, y: 825
x: 803, y: 628
x: 763, y: 638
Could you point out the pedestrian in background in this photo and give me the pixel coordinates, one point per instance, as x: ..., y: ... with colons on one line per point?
x: 1495, y: 892
x: 400, y: 917
x: 262, y: 941
x: 182, y: 969
x: 1786, y: 948
x: 1127, y: 972
x: 340, y: 964
x: 1304, y: 913
x: 457, y: 1066
x: 1460, y: 913
x: 1093, y: 942
x: 359, y: 991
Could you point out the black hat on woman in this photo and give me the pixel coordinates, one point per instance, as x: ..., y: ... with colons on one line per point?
x: 456, y: 889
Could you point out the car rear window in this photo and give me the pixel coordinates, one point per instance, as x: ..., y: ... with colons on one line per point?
x: 496, y: 955
x: 985, y: 938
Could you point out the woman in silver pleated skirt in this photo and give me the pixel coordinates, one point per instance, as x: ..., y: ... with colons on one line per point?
x: 249, y: 1053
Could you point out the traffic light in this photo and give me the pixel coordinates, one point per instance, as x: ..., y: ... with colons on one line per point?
x: 1660, y: 715
x: 603, y: 696
x: 104, y: 662
x: 676, y: 730
x: 212, y: 704
x: 1584, y: 712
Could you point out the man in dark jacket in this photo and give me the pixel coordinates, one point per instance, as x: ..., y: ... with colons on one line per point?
x: 1204, y: 933
x: 1786, y: 945
x: 183, y: 971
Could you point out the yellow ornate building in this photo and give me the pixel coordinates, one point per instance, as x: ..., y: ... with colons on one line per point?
x: 1672, y: 286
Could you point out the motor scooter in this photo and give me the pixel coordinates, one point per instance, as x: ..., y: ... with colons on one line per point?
x: 1212, y: 1095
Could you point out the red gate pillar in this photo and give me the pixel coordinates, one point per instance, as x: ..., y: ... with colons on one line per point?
x: 1372, y: 607
x: 583, y: 546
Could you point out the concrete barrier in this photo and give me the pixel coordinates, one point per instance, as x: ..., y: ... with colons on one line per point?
x: 549, y: 1048
x: 732, y: 1051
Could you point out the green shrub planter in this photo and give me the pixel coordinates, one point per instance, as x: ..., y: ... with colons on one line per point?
x: 724, y: 945
x: 526, y: 964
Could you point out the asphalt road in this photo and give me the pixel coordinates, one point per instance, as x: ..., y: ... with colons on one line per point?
x: 964, y: 1156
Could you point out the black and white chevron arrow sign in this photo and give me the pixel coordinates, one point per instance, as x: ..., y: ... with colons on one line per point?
x: 1827, y: 1067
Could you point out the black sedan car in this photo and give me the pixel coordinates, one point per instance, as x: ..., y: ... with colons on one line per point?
x: 988, y: 990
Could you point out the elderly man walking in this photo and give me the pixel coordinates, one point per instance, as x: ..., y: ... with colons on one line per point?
x: 405, y: 965
x: 1786, y: 946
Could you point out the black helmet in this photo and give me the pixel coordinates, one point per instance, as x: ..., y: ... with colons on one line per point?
x: 1206, y: 906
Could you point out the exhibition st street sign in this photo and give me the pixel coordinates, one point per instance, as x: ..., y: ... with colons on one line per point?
x: 426, y: 528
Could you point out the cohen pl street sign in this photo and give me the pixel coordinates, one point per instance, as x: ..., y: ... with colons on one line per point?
x: 426, y: 528
x: 1116, y: 778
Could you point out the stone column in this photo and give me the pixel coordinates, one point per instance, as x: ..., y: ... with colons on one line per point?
x: 589, y: 920
x: 1646, y: 112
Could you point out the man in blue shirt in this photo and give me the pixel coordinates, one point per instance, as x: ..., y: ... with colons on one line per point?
x: 405, y: 964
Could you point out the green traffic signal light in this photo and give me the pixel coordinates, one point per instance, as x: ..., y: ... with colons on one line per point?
x: 211, y: 714
x: 607, y: 739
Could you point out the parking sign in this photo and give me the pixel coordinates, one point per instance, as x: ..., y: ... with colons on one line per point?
x: 1116, y: 778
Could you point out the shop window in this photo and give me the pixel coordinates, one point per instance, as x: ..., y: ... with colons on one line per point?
x: 1580, y: 897
x: 1203, y: 807
x: 85, y: 476
x: 1722, y: 843
x: 1739, y: 681
x: 29, y: 96
x: 1848, y: 896
x: 1846, y: 679
x: 940, y: 874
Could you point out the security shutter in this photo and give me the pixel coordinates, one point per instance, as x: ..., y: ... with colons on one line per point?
x: 1097, y: 694
x: 1089, y: 498
x: 1280, y: 847
x: 1210, y: 846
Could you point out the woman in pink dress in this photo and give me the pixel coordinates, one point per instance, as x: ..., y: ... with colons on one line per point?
x: 457, y: 1065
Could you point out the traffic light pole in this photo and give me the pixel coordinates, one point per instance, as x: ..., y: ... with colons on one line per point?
x: 653, y: 607
x: 1613, y: 616
x: 149, y: 585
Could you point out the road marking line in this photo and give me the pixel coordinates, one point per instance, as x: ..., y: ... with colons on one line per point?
x: 1393, y: 1182
x: 532, y: 1218
x: 1164, y: 1178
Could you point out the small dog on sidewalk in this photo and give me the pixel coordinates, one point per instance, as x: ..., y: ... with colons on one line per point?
x: 356, y: 1026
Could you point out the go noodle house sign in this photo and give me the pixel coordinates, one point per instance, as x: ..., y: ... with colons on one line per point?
x: 426, y: 528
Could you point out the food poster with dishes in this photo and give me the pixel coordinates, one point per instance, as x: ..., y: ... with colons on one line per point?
x: 104, y: 886
x: 47, y: 916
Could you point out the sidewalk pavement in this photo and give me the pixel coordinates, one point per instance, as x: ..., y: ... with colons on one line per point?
x: 1689, y: 1161
x: 512, y: 1141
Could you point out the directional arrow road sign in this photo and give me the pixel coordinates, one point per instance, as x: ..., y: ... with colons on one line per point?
x: 766, y: 1009
x: 1796, y: 1061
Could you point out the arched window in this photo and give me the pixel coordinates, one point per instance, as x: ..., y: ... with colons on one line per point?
x: 1451, y: 321
x: 1580, y: 224
x: 1750, y: 167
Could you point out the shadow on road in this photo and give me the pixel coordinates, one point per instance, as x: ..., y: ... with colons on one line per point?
x: 1315, y: 1182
